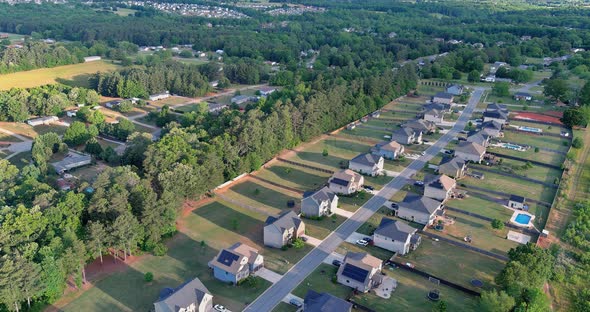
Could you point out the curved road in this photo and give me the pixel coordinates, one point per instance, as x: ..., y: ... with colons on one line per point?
x: 273, y: 295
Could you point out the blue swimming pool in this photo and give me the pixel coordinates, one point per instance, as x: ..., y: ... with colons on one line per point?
x: 523, y: 219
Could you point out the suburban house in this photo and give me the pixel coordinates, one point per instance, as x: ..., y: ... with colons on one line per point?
x: 489, y: 78
x: 421, y: 125
x: 479, y: 138
x: 191, y: 296
x: 216, y: 107
x: 346, y: 182
x: 73, y: 159
x: 443, y: 97
x: 453, y: 167
x: 42, y: 121
x: 494, y: 67
x: 406, y: 135
x: 360, y: 271
x: 419, y: 209
x: 396, y: 236
x: 470, y: 151
x: 324, y: 302
x: 433, y: 115
x: 517, y: 202
x: 369, y: 164
x: 241, y: 99
x: 496, y: 112
x: 283, y: 229
x: 319, y: 204
x: 236, y: 263
x: 71, y: 113
x: 445, y: 108
x: 112, y: 104
x: 491, y: 129
x: 455, y: 89
x: 389, y: 150
x: 523, y: 96
x: 439, y: 187
x: 266, y: 91
x: 159, y: 96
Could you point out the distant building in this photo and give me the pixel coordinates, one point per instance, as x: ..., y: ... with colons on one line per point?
x: 439, y: 187
x: 283, y: 229
x: 491, y: 129
x: 496, y: 112
x: 266, y: 91
x: 479, y: 138
x: 92, y: 59
x: 191, y: 296
x: 490, y: 78
x: 159, y: 96
x: 419, y: 209
x: 406, y: 135
x: 396, y: 236
x: 72, y: 160
x: 455, y: 89
x: 443, y: 97
x: 421, y: 125
x: 360, y: 271
x: 433, y: 115
x: 470, y: 151
x: 523, y: 96
x: 217, y: 107
x: 71, y: 113
x: 517, y: 202
x: 241, y: 99
x: 454, y: 167
x: 389, y: 150
x: 42, y: 121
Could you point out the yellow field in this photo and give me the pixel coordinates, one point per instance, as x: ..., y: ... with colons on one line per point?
x: 75, y: 75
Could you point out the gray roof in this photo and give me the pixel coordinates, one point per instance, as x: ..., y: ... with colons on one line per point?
x: 433, y: 112
x: 518, y: 199
x: 420, y: 125
x: 438, y: 106
x: 492, y: 124
x: 497, y: 107
x: 456, y: 163
x: 284, y: 221
x: 420, y: 203
x: 478, y: 138
x: 366, y: 159
x: 190, y: 292
x: 322, y: 195
x: 396, y: 230
x: 470, y: 148
x: 495, y: 114
x: 324, y: 302
x: 443, y: 95
x: 525, y: 94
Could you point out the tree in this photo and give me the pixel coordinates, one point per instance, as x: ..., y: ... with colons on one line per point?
x: 577, y: 142
x: 76, y: 134
x: 556, y: 89
x: 501, y: 89
x: 473, y: 76
x: 97, y: 238
x: 441, y: 306
x: 497, y: 224
x: 495, y: 301
x: 584, y: 97
x: 573, y: 117
x: 93, y: 147
x: 11, y: 278
x: 125, y: 106
x: 126, y: 233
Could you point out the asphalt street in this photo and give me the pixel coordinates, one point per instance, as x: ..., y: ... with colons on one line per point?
x: 274, y: 294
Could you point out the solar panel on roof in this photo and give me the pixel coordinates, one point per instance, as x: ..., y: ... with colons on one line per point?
x: 227, y: 257
x: 355, y: 272
x: 339, y: 181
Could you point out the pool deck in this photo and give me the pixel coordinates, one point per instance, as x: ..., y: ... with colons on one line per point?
x: 529, y: 225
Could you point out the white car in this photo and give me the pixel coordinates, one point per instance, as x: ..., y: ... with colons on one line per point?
x: 362, y: 242
x: 220, y: 308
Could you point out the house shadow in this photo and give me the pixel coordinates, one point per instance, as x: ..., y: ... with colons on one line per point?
x: 232, y: 220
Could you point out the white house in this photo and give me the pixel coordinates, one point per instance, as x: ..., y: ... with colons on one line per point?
x: 368, y: 164
x: 433, y: 115
x: 419, y: 209
x: 455, y: 89
x: 443, y: 97
x: 396, y: 236
x: 92, y: 59
x: 42, y: 121
x: 346, y: 182
x: 192, y: 296
x: 159, y: 96
x: 389, y: 150
x: 360, y: 271
x: 517, y: 202
x: 319, y: 204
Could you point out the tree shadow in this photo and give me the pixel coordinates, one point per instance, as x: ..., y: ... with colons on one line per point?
x: 263, y: 194
x: 82, y: 80
x: 232, y: 220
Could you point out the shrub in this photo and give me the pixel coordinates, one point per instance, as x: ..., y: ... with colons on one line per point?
x: 325, y: 152
x: 565, y: 143
x: 497, y: 224
x: 536, y: 149
x: 298, y: 243
x: 577, y: 142
x: 160, y: 250
x: 148, y: 277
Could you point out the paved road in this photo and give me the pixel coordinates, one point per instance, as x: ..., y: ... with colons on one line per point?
x: 273, y: 295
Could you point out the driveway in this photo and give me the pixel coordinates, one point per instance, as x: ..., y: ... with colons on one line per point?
x: 342, y: 212
x: 274, y: 294
x: 333, y: 256
x: 291, y: 296
x: 312, y: 240
x: 352, y: 238
x: 268, y: 275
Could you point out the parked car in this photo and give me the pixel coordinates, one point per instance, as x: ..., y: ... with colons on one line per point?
x: 368, y: 239
x: 362, y: 242
x: 368, y: 187
x: 337, y: 263
x: 296, y: 302
x: 419, y: 183
x: 449, y: 152
x: 394, y: 205
x: 220, y: 308
x: 304, y: 238
x: 423, y: 153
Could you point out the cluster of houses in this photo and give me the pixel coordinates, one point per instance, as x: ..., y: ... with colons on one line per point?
x: 190, y: 9
x: 295, y: 10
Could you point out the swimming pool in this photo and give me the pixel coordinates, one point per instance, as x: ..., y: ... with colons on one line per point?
x: 513, y: 147
x: 530, y: 129
x: 523, y: 219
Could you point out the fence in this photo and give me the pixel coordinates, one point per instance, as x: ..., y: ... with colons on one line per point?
x: 506, y: 195
x: 480, y: 168
x: 508, y: 224
x: 292, y: 189
x: 442, y: 281
x: 305, y: 166
x: 534, y: 162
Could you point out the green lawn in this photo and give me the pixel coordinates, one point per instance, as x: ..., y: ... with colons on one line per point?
x: 74, y: 75
x: 536, y: 140
x: 43, y: 129
x: 294, y: 176
x: 322, y: 228
x: 482, y: 207
x: 511, y: 185
x: 397, y: 164
x: 542, y: 156
x: 284, y: 307
x: 455, y: 264
x: 540, y: 173
x: 410, y: 294
x: 8, y: 138
x: 21, y: 159
x: 265, y: 196
x: 545, y: 128
x: 361, y: 132
x: 354, y: 202
x: 482, y: 233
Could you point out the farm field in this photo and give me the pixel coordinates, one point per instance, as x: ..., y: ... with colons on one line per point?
x: 74, y: 75
x: 454, y: 264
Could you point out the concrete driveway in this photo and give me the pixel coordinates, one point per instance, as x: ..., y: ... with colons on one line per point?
x: 342, y: 212
x: 333, y: 256
x: 268, y: 275
x: 355, y: 236
x: 312, y: 240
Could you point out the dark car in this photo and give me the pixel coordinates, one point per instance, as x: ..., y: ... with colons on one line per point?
x: 419, y: 183
x: 368, y: 187
x: 394, y: 205
x: 296, y: 303
x: 337, y: 263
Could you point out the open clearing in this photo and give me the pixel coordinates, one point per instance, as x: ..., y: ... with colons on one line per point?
x: 74, y: 75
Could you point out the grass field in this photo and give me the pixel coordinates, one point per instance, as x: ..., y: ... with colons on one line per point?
x: 539, y: 173
x: 322, y: 228
x: 455, y: 264
x: 542, y: 156
x: 511, y: 185
x: 353, y: 203
x: 294, y: 176
x: 284, y: 307
x: 545, y: 128
x: 370, y: 133
x: 261, y: 195
x: 482, y: 207
x: 536, y: 140
x: 410, y: 294
x: 73, y: 75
